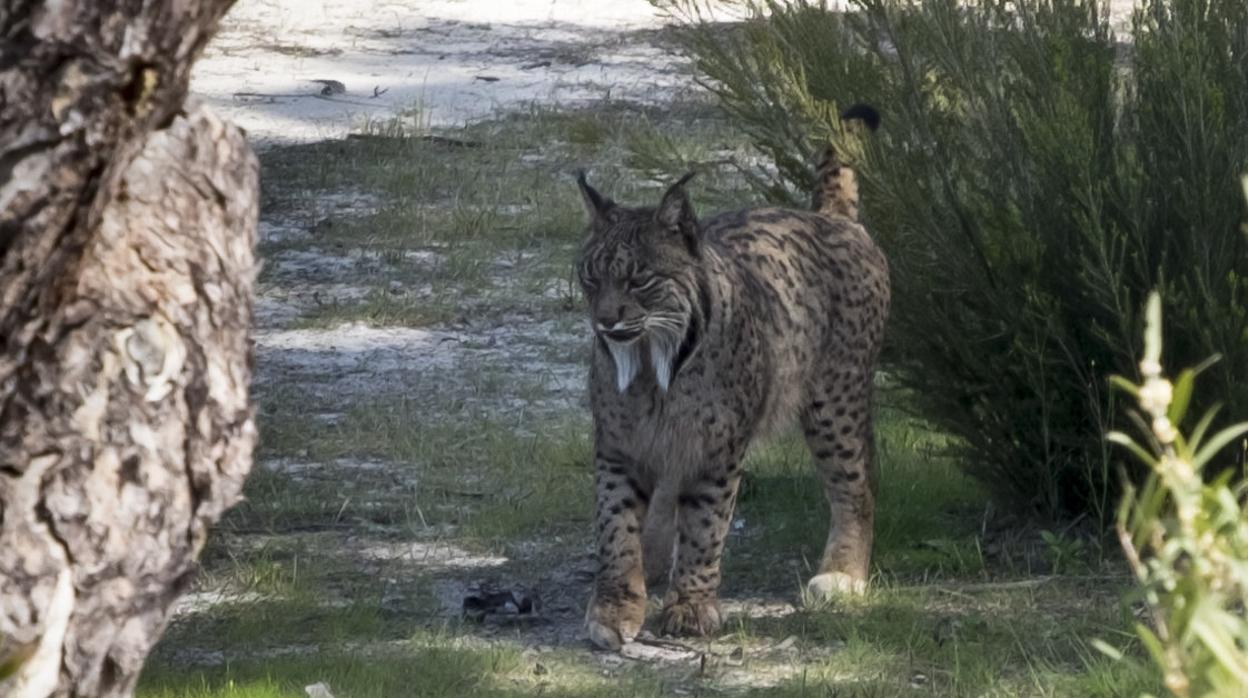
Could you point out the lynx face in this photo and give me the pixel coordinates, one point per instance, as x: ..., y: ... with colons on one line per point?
x: 639, y: 271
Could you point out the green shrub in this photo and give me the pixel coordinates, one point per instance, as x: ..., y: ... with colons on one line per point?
x: 1186, y: 538
x: 1033, y: 179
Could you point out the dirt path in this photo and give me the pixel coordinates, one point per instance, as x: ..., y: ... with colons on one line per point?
x: 453, y: 61
x: 303, y: 70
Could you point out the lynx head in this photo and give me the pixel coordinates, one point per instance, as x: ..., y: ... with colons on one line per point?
x: 640, y: 270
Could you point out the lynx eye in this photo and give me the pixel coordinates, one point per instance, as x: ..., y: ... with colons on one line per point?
x: 636, y: 283
x: 587, y: 281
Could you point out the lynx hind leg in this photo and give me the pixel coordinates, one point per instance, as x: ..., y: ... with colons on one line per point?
x: 658, y: 535
x: 617, y: 608
x: 839, y: 432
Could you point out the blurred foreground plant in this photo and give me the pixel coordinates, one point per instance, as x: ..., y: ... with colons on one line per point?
x: 1185, y: 535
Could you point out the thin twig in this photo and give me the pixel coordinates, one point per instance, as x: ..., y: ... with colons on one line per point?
x: 1137, y: 568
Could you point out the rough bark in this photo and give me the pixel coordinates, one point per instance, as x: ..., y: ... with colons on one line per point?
x: 127, y: 224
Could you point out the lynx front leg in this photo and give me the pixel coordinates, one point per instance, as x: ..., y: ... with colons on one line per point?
x: 618, y: 606
x: 691, y: 606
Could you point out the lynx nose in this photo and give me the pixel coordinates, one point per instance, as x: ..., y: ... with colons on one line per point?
x: 607, y: 320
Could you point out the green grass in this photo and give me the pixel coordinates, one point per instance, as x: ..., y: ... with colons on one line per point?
x: 1003, y: 642
x: 434, y: 664
x: 940, y: 616
x: 493, y: 192
x: 510, y: 182
x: 381, y: 308
x: 496, y: 476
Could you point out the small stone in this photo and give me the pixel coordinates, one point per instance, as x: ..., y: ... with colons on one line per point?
x: 331, y: 87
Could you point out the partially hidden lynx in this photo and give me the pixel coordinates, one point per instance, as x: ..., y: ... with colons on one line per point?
x: 708, y: 333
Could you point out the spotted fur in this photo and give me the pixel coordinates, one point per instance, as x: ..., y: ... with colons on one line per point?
x: 706, y: 335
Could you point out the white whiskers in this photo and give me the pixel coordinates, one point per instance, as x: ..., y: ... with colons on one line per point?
x: 663, y: 348
x: 663, y: 334
x: 627, y: 358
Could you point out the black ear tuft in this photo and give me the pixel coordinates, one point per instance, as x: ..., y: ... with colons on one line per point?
x: 684, y: 180
x: 595, y: 203
x: 863, y: 112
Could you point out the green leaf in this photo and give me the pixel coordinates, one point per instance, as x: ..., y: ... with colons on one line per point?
x: 1125, y: 385
x: 1151, y: 643
x: 1218, y: 441
x: 1107, y: 649
x: 1198, y: 433
x: 1227, y: 504
x: 1182, y: 396
x: 1219, y: 642
x: 1204, y: 365
x: 1122, y: 439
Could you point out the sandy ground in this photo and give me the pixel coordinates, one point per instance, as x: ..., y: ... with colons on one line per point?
x: 453, y: 61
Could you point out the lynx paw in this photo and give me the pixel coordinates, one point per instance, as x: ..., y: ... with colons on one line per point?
x: 610, y: 626
x: 685, y: 617
x: 830, y: 585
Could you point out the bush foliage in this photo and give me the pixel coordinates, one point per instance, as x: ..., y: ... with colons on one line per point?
x: 1035, y: 177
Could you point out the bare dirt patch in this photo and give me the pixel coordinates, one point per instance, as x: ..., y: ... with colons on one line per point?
x: 354, y: 362
x: 456, y: 61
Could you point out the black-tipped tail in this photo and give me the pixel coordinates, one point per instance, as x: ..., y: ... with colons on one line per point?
x: 836, y: 184
x: 865, y: 113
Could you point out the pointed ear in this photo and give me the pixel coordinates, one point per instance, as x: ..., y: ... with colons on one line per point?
x: 597, y: 205
x: 675, y: 211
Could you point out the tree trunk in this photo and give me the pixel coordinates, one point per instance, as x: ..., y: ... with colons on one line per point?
x: 127, y: 223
